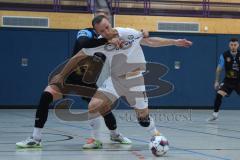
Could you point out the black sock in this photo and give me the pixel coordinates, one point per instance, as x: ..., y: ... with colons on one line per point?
x: 218, y: 102
x: 110, y: 121
x: 42, y: 110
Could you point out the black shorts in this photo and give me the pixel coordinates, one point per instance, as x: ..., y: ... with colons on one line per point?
x: 230, y: 85
x: 76, y: 79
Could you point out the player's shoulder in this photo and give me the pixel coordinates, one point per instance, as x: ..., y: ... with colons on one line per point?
x: 87, y: 32
x: 128, y: 33
x: 126, y: 30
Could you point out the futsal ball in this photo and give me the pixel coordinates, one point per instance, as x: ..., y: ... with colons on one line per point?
x: 159, y: 145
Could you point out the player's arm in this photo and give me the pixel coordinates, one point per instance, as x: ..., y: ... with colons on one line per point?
x: 87, y: 42
x: 96, y: 42
x: 73, y: 63
x: 219, y: 71
x: 86, y: 39
x: 145, y: 33
x: 160, y: 42
x: 69, y: 67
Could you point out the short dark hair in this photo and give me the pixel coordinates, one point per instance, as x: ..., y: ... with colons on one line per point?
x: 234, y: 39
x: 98, y: 19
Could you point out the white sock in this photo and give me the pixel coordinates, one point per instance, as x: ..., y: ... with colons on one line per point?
x: 95, y: 125
x: 113, y: 132
x: 37, y: 133
x: 215, y: 114
x: 152, y: 128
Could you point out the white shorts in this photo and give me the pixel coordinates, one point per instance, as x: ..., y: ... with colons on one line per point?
x: 135, y: 96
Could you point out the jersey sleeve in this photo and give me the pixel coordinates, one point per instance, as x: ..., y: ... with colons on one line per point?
x: 221, y: 61
x: 85, y: 39
x: 134, y: 32
x: 84, y: 33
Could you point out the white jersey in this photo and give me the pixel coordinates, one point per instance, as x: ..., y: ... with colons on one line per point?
x: 116, y: 58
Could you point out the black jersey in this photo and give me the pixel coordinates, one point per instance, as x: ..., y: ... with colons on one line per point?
x: 231, y: 64
x: 87, y: 38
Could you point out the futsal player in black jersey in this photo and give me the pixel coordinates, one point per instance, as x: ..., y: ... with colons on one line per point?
x: 230, y: 62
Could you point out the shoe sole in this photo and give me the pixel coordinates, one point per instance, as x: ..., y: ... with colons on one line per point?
x: 121, y: 142
x: 212, y: 120
x: 92, y: 148
x: 99, y: 147
x: 22, y: 147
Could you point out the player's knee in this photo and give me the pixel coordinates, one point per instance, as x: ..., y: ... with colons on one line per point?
x: 94, y: 105
x: 144, y: 121
x: 222, y: 93
x: 54, y: 91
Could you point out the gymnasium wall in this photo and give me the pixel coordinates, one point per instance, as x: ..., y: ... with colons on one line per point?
x: 56, y: 20
x: 80, y: 20
x: 44, y: 49
x: 214, y: 25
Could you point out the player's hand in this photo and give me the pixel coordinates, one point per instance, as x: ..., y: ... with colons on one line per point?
x: 145, y: 33
x: 57, y: 79
x: 182, y: 43
x: 216, y: 85
x: 117, y: 42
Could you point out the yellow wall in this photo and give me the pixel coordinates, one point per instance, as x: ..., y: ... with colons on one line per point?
x: 215, y: 25
x: 79, y: 20
x: 57, y: 20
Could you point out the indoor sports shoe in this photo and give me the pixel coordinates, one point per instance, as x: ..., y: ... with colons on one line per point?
x: 92, y: 144
x: 213, y: 117
x: 29, y: 143
x: 120, y: 138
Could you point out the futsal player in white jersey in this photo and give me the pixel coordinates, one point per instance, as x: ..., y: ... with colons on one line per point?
x: 124, y: 64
